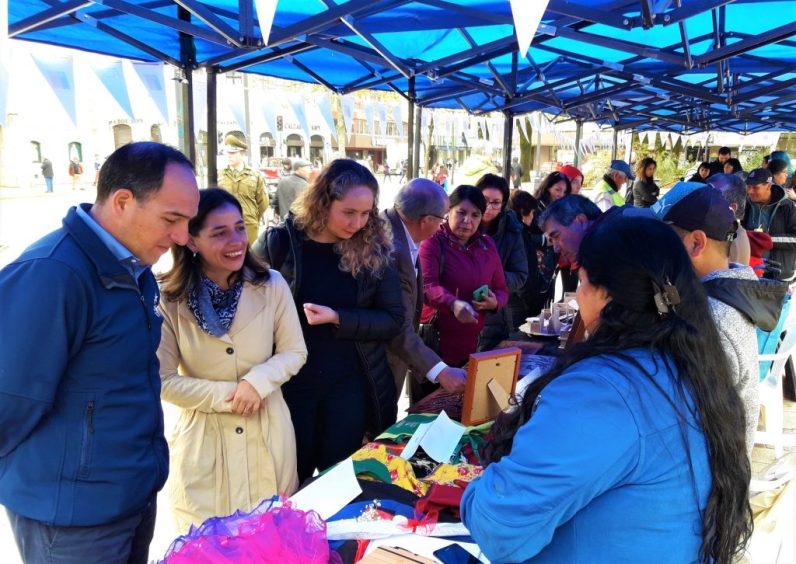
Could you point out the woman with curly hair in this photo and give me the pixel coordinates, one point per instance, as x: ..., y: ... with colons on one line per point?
x: 632, y: 448
x: 335, y: 253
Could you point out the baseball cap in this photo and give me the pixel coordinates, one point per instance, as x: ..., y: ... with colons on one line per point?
x: 759, y: 176
x: 692, y: 206
x: 622, y: 166
x: 300, y: 163
x: 570, y: 172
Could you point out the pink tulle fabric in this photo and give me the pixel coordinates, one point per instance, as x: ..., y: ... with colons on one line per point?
x: 270, y: 533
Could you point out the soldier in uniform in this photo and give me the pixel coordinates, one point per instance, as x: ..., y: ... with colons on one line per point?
x: 246, y: 184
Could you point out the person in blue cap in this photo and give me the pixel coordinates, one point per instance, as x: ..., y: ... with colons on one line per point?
x: 607, y: 193
x: 738, y: 300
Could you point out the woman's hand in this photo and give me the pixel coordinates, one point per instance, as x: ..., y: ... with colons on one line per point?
x: 489, y: 303
x: 464, y: 312
x: 318, y: 314
x: 245, y: 399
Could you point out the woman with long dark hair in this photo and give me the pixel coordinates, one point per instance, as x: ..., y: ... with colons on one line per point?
x: 632, y: 448
x: 231, y: 337
x: 553, y: 187
x: 702, y: 173
x: 336, y: 254
x: 645, y: 191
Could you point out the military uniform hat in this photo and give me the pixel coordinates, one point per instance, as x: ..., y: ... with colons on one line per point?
x: 234, y: 144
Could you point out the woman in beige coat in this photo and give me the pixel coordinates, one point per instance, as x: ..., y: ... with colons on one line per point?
x: 231, y: 337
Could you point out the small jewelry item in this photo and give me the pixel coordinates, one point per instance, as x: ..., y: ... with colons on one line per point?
x: 666, y: 297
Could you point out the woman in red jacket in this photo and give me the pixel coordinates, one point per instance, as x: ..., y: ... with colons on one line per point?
x: 456, y: 262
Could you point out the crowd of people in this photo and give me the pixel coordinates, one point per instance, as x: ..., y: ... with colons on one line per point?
x: 284, y: 349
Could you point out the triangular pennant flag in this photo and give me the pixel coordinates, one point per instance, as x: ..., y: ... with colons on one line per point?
x: 324, y: 106
x: 234, y: 100
x: 111, y: 75
x: 151, y: 74
x: 266, y: 9
x: 381, y: 108
x: 4, y: 63
x: 59, y: 74
x: 370, y: 118
x: 269, y: 116
x: 527, y: 16
x: 398, y: 117
x: 4, y: 87
x: 425, y: 122
x: 348, y: 114
x: 199, y: 106
x: 300, y: 111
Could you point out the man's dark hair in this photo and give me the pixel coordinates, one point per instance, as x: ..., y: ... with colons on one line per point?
x: 725, y: 151
x: 566, y: 209
x: 733, y: 189
x: 138, y: 167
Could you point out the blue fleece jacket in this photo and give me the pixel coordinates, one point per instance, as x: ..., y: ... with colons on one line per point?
x: 600, y: 473
x: 81, y: 426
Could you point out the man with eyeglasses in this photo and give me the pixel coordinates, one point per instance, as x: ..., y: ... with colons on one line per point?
x: 419, y: 210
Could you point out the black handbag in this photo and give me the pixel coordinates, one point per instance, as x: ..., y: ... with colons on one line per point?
x: 429, y: 332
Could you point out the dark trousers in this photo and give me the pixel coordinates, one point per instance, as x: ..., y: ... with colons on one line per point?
x: 329, y: 420
x: 122, y: 542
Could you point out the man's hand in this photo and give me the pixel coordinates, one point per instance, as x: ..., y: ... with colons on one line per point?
x: 452, y: 380
x: 318, y: 314
x: 464, y: 312
x: 489, y: 303
x: 245, y: 399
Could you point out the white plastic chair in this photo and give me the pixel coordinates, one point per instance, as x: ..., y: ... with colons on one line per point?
x: 771, y: 398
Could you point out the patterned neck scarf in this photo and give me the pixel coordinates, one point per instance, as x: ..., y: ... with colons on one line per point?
x: 213, y: 307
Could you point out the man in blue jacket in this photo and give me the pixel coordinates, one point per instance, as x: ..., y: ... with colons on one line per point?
x: 82, y: 451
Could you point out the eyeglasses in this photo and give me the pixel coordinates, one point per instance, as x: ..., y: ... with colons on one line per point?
x: 439, y: 217
x: 494, y: 203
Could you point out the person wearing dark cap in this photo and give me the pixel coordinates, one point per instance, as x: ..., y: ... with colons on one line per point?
x: 738, y: 300
x: 769, y: 210
x: 608, y: 192
x: 246, y: 184
x: 291, y: 186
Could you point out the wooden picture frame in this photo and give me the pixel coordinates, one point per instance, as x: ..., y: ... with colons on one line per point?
x: 491, y: 379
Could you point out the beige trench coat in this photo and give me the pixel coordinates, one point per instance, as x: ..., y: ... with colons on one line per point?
x: 220, y: 461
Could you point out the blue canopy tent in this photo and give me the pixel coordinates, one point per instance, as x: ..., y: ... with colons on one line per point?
x: 682, y: 66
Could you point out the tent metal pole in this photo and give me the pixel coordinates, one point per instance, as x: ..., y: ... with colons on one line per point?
x: 508, y: 125
x: 212, y: 128
x: 410, y: 132
x: 614, y: 147
x: 185, y: 89
x: 578, y: 136
x: 416, y: 142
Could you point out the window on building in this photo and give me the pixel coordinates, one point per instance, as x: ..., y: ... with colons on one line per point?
x: 35, y: 150
x: 76, y: 150
x: 122, y: 135
x: 154, y: 133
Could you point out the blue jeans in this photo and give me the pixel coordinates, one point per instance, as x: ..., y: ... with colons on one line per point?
x: 49, y: 183
x: 122, y: 542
